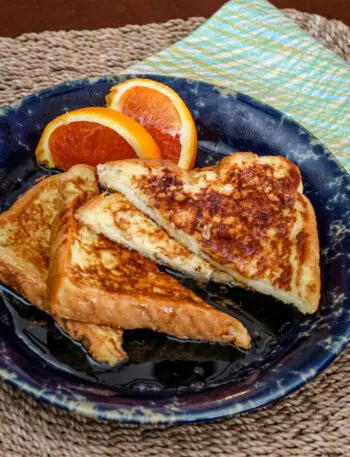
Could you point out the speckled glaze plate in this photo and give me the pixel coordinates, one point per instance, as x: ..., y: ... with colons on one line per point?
x: 165, y: 380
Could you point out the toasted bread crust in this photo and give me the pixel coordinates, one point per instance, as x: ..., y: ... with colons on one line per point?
x: 309, y: 253
x: 128, y: 291
x: 247, y: 216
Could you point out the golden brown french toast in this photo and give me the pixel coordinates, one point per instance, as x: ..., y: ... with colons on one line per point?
x: 247, y: 216
x: 118, y: 220
x: 24, y: 257
x: 95, y: 280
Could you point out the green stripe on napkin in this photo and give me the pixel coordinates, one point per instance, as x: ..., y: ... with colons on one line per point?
x: 250, y: 46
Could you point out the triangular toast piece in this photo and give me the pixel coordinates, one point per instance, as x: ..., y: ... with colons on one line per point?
x: 119, y: 220
x: 24, y: 258
x: 95, y: 280
x: 247, y: 216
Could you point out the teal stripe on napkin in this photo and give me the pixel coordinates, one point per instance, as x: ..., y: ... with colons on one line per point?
x: 250, y: 46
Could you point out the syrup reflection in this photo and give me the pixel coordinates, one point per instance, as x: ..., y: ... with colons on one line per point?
x: 147, y: 346
x: 177, y: 363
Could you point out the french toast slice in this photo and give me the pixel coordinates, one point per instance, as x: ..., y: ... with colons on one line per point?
x: 247, y: 216
x: 118, y: 220
x: 95, y: 280
x: 24, y: 258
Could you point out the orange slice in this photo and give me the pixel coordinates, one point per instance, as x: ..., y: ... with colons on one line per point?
x: 92, y: 136
x: 163, y: 114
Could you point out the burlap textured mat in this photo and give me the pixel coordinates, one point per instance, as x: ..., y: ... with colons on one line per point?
x: 312, y: 422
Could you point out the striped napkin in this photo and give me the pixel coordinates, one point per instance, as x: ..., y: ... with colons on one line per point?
x: 250, y: 46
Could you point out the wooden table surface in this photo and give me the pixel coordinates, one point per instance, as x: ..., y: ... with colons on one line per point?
x: 21, y: 16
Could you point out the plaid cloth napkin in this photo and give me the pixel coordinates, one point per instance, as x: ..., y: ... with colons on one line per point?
x: 250, y: 46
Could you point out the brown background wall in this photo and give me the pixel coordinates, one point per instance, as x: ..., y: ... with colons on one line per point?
x: 20, y: 16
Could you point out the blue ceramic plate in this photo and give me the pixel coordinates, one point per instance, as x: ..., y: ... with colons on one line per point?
x: 166, y: 380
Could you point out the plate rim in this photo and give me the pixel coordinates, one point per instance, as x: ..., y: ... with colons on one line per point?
x: 229, y: 407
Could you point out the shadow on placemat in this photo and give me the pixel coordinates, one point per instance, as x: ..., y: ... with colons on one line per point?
x: 312, y: 422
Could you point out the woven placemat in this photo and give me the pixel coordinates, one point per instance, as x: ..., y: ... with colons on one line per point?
x: 314, y: 421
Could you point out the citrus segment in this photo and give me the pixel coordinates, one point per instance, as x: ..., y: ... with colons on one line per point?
x: 169, y: 145
x: 92, y: 136
x: 163, y: 114
x: 87, y: 142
